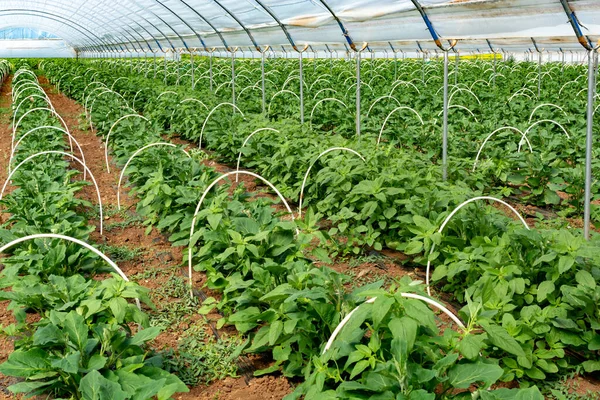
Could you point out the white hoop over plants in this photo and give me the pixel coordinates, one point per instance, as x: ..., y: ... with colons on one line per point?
x: 206, y: 191
x: 166, y: 92
x: 523, y: 137
x: 542, y: 121
x: 244, y: 145
x: 14, y: 150
x: 211, y: 113
x: 278, y: 93
x: 321, y: 101
x: 110, y: 131
x: 460, y: 107
x: 381, y: 98
x: 546, y: 105
x: 10, y: 175
x: 70, y: 239
x: 313, y: 163
x: 427, y: 300
x: 30, y: 97
x: 12, y: 145
x: 449, y: 217
x: 133, y: 156
x: 390, y: 114
x: 458, y: 90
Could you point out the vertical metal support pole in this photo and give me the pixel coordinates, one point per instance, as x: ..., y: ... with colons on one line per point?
x: 494, y: 80
x: 193, y: 72
x: 210, y: 70
x: 358, y: 84
x: 154, y: 65
x: 233, y: 78
x: 423, y: 66
x: 593, y: 56
x: 301, y: 88
x: 539, y: 74
x: 395, y: 66
x: 165, y: 64
x: 456, y: 58
x: 262, y: 77
x: 445, y: 127
x: 177, y: 67
x: 562, y: 67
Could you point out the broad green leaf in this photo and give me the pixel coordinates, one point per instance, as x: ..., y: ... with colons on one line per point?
x: 94, y: 386
x: 462, y: 376
x: 404, y: 328
x: 76, y: 329
x: 500, y: 337
x: 25, y: 363
x: 145, y: 335
x: 544, y: 289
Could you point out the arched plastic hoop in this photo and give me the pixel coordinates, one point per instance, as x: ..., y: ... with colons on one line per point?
x: 70, y: 239
x: 133, y: 156
x: 390, y: 114
x: 287, y: 206
x: 110, y: 131
x: 427, y: 300
x: 211, y: 113
x: 457, y: 209
x: 64, y: 154
x: 244, y: 145
x: 313, y: 163
x: 523, y: 137
x: 14, y: 150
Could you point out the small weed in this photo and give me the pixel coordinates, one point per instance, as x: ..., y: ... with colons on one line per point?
x: 566, y: 388
x: 201, y: 359
x: 121, y: 253
x: 175, y: 307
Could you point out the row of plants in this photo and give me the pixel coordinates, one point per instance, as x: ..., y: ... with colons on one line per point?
x: 422, y: 235
x: 76, y: 336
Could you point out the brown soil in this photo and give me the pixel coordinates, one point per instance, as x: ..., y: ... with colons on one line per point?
x: 265, y: 388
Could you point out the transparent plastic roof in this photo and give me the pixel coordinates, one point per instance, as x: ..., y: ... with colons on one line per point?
x: 161, y: 25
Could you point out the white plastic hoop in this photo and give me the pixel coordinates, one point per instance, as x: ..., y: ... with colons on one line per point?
x: 313, y: 163
x: 287, y: 206
x: 457, y: 209
x: 133, y: 156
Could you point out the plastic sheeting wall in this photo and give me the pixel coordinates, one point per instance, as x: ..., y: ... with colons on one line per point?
x: 34, y: 48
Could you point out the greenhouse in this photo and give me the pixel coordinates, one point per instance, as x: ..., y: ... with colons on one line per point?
x: 300, y: 199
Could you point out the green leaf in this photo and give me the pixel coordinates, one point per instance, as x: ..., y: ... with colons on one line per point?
x: 462, y: 376
x: 500, y: 337
x: 470, y: 346
x: 586, y: 279
x: 94, y: 386
x: 76, y: 329
x: 359, y: 367
x: 25, y: 363
x: 544, y: 289
x: 565, y: 263
x: 69, y: 364
x: 532, y: 393
x: 214, y: 220
x: 275, y: 332
x: 404, y: 328
x: 380, y: 309
x: 47, y: 334
x: 144, y: 336
x: 414, y: 247
x: 591, y: 366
